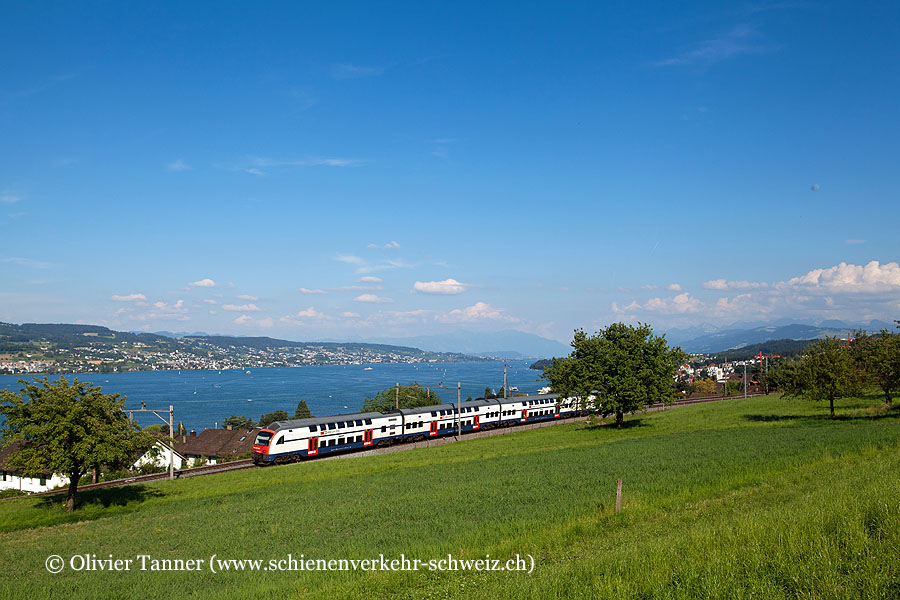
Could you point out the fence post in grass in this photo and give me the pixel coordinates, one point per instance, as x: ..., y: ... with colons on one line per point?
x: 618, y: 495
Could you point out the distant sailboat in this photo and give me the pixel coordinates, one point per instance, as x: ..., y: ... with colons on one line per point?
x: 367, y: 369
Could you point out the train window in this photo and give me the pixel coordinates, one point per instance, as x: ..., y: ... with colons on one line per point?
x: 332, y: 442
x: 523, y: 404
x: 433, y: 413
x: 383, y: 429
x: 340, y: 441
x: 332, y: 425
x: 262, y: 438
x: 280, y: 441
x: 341, y: 425
x: 359, y: 423
x: 368, y: 421
x: 476, y: 409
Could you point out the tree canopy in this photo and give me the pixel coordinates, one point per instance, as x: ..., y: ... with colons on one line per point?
x: 236, y: 422
x: 302, y: 411
x: 269, y: 418
x: 411, y: 395
x: 618, y: 370
x: 826, y: 372
x: 67, y: 428
x: 878, y: 356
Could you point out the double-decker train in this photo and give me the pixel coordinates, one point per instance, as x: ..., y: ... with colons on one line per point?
x: 298, y: 439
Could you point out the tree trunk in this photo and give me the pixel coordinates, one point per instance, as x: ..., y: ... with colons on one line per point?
x: 73, y: 486
x: 620, y: 418
x: 831, y: 400
x: 887, y: 397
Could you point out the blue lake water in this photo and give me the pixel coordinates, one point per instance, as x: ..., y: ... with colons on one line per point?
x: 206, y: 398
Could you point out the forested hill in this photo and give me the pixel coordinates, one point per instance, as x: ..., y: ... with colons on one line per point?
x: 67, y: 348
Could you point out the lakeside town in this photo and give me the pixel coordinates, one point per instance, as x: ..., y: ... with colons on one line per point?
x: 58, y: 349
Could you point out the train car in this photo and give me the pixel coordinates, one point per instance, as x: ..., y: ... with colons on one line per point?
x: 427, y: 422
x: 288, y: 441
x: 519, y: 410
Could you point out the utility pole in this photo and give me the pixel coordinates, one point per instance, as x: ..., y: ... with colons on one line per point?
x: 458, y: 409
x: 397, y: 398
x: 170, y: 422
x: 505, y: 381
x: 745, y: 380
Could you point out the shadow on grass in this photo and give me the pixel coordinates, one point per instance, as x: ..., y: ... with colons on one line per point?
x: 627, y: 424
x: 863, y: 413
x: 106, y: 497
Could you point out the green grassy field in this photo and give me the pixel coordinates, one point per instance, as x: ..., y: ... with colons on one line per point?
x: 757, y: 498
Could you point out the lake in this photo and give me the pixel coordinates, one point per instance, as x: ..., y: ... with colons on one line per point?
x: 206, y: 398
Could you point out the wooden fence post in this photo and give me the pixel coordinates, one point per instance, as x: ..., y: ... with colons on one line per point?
x: 618, y: 495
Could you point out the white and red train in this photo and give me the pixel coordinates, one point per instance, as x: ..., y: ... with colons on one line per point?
x: 298, y: 439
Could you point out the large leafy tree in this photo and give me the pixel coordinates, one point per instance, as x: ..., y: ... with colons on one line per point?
x: 67, y: 428
x: 618, y: 370
x: 410, y: 395
x: 878, y: 356
x: 826, y: 372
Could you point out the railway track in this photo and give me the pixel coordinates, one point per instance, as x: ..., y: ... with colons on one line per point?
x: 248, y: 463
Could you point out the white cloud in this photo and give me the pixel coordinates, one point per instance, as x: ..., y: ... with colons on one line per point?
x: 129, y: 297
x: 680, y: 304
x: 369, y: 279
x: 243, y: 320
x: 350, y: 315
x: 349, y: 259
x: 304, y: 290
x: 242, y: 308
x: 741, y: 40
x: 203, y: 283
x: 309, y: 313
x: 305, y: 162
x: 391, y: 244
x: 6, y: 198
x: 179, y: 165
x: 257, y: 172
x: 480, y: 311
x: 26, y: 262
x: 372, y: 298
x: 871, y: 278
x: 210, y: 301
x: 247, y: 297
x: 674, y: 287
x: 267, y: 322
x: 448, y: 286
x: 721, y: 284
x: 351, y: 71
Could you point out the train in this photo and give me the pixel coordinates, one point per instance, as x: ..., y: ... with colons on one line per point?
x: 300, y: 439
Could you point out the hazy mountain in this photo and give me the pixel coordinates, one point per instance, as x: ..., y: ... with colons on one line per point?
x: 738, y: 337
x: 511, y: 344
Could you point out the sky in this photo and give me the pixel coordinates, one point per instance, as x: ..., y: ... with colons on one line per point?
x: 359, y: 170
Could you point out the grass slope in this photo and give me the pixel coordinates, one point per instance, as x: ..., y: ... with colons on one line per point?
x: 761, y: 498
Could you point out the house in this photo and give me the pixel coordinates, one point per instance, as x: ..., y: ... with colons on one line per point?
x: 157, y: 455
x: 11, y: 477
x: 213, y: 446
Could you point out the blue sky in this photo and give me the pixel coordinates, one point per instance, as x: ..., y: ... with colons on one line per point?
x: 356, y: 171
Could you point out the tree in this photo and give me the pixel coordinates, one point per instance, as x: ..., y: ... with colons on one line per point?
x: 488, y: 393
x: 704, y: 386
x: 302, y: 411
x: 879, y: 357
x: 67, y: 428
x: 826, y: 372
x: 411, y: 395
x: 236, y: 422
x: 269, y: 418
x: 623, y: 368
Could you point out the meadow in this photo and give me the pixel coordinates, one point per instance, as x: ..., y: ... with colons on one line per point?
x: 744, y: 498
